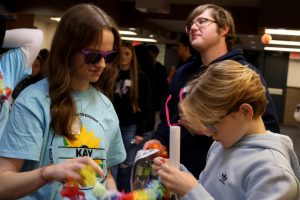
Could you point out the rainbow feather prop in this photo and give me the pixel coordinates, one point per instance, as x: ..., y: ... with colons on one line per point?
x: 71, y: 189
x: 154, y: 190
x: 5, y: 91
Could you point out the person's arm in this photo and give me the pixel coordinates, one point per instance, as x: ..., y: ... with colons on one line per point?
x: 171, y: 74
x: 197, y: 193
x: 110, y: 181
x: 271, y: 182
x: 15, y: 184
x: 29, y: 40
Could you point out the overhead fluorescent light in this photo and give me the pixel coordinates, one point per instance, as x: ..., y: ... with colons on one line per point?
x: 55, y: 18
x: 284, y: 42
x: 282, y: 32
x: 127, y: 33
x: 139, y: 39
x: 281, y: 49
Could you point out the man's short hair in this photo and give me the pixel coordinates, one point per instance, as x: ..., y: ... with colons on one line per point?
x: 153, y: 48
x: 185, y: 40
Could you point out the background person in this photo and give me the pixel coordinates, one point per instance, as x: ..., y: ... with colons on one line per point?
x: 185, y: 53
x: 160, y: 87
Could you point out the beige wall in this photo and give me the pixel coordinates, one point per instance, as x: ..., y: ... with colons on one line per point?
x: 293, y: 79
x: 48, y: 27
x: 291, y: 100
x: 162, y: 52
x: 292, y: 92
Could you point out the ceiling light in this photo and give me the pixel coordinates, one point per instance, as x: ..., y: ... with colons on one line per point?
x: 55, y: 18
x: 283, y: 42
x: 282, y: 32
x: 139, y: 39
x: 281, y: 49
x: 127, y: 33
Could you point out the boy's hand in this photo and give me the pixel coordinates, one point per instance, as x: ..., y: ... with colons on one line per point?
x: 173, y: 179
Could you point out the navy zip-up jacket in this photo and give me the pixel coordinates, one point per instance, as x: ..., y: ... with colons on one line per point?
x: 194, y: 148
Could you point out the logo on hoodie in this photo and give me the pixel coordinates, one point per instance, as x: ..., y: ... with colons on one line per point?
x: 223, y: 178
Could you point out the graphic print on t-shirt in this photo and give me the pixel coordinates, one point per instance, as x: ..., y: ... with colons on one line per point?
x: 122, y: 87
x: 84, y: 142
x: 5, y: 91
x: 90, y: 141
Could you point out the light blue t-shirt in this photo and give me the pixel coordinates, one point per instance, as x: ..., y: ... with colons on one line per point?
x: 12, y: 71
x: 28, y: 136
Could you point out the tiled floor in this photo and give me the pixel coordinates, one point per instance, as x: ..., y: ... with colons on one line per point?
x: 294, y: 133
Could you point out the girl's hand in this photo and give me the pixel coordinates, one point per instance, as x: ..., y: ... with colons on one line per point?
x: 70, y: 169
x: 157, y: 164
x: 138, y: 139
x: 173, y: 179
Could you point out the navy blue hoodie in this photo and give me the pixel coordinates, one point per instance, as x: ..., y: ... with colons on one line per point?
x: 194, y: 148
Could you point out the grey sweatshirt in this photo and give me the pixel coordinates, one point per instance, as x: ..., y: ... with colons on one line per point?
x: 262, y: 167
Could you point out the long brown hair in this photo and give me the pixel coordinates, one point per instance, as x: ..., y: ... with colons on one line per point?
x: 134, y: 73
x: 78, y: 28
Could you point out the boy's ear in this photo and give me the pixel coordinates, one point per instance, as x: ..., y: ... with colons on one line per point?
x: 246, y: 110
x: 225, y: 30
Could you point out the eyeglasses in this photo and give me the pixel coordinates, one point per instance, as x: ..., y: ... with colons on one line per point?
x: 201, y: 23
x: 212, y: 126
x: 93, y: 57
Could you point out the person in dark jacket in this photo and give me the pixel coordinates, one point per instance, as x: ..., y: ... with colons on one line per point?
x: 146, y: 64
x: 185, y: 53
x: 211, y: 31
x: 160, y: 85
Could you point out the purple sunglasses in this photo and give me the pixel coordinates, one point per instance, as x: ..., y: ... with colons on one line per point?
x: 93, y: 57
